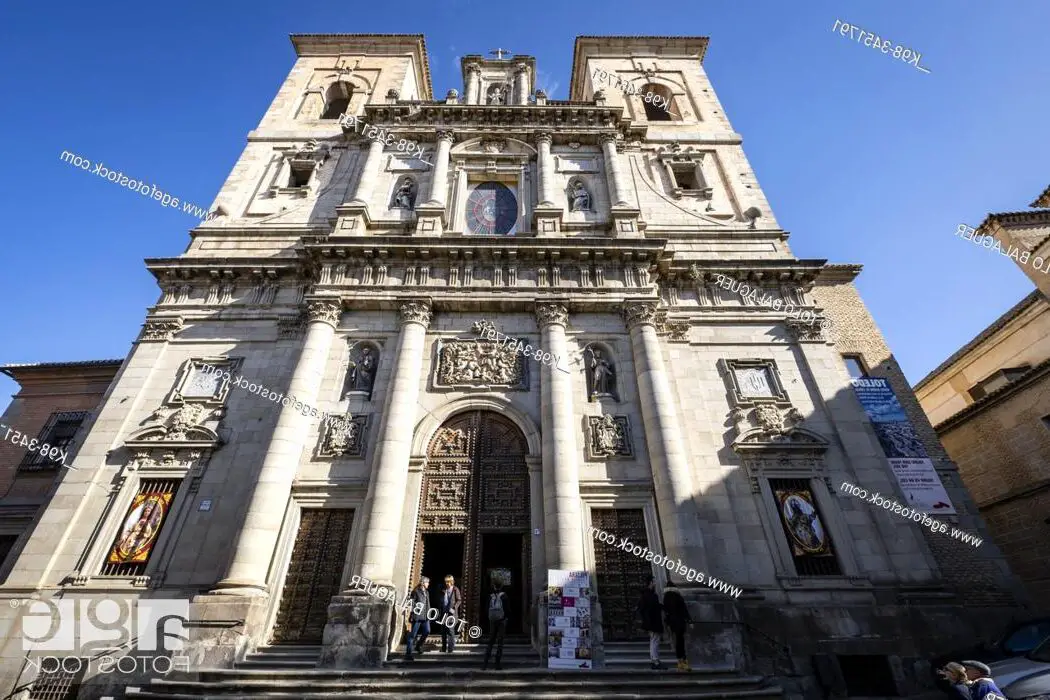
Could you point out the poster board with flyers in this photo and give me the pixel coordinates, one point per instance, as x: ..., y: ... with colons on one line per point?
x: 569, y: 619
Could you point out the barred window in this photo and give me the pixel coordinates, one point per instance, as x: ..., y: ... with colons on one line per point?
x: 59, y: 432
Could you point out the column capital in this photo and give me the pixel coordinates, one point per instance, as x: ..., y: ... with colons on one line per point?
x: 639, y: 314
x: 608, y: 138
x: 544, y: 137
x: 521, y: 68
x: 323, y: 312
x: 552, y: 314
x: 417, y: 311
x: 446, y: 135
x: 474, y: 68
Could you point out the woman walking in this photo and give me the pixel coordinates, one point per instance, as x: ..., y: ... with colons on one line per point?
x: 676, y: 612
x: 649, y: 608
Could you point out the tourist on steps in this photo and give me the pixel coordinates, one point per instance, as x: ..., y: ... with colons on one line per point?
x: 451, y: 600
x: 676, y: 613
x: 497, y: 622
x: 419, y: 621
x: 649, y: 609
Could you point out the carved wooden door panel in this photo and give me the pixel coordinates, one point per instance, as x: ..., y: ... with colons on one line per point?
x: 476, y: 480
x: 620, y: 575
x: 314, y: 575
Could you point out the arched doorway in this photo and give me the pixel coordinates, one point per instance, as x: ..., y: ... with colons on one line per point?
x: 474, y: 515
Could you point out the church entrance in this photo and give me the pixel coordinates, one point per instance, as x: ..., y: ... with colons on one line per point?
x: 474, y: 517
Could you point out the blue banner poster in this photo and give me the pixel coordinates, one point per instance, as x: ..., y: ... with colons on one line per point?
x: 568, y: 619
x: 907, y: 457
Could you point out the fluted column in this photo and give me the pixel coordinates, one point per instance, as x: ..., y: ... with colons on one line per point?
x: 439, y: 181
x: 473, y: 83
x: 561, y: 475
x: 366, y: 182
x: 257, y: 538
x: 613, y: 172
x: 521, y: 84
x: 546, y: 169
x: 663, y: 435
x: 386, y: 489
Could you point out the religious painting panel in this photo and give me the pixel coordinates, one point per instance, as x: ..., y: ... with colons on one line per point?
x: 808, y: 539
x: 145, y: 516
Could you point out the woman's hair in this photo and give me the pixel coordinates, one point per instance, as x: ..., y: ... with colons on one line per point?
x: 449, y: 579
x: 424, y: 579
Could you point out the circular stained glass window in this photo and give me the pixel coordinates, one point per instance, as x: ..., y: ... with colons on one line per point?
x: 492, y: 209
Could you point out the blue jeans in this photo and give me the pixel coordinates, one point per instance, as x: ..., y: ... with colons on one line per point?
x: 423, y: 626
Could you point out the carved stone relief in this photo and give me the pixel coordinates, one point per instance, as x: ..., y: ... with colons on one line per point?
x: 343, y: 436
x: 160, y: 329
x: 608, y: 436
x: 479, y: 364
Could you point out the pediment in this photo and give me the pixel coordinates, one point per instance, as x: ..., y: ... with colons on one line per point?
x: 494, y: 147
x: 793, y: 440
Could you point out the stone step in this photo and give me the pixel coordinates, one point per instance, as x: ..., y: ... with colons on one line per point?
x: 427, y: 674
x: 463, y: 693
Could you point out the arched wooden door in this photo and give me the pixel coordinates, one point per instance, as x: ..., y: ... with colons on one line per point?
x: 474, y: 517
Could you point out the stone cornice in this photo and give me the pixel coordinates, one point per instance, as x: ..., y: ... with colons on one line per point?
x: 833, y: 272
x: 369, y: 45
x: 1043, y: 200
x: 798, y: 272
x: 167, y: 270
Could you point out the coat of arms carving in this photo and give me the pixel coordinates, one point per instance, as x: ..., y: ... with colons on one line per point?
x: 480, y: 363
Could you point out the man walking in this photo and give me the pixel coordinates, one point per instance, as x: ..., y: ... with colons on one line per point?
x: 419, y: 621
x: 676, y: 612
x: 451, y: 600
x: 497, y: 622
x: 649, y: 608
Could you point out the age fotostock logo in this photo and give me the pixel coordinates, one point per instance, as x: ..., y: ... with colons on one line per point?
x: 91, y: 627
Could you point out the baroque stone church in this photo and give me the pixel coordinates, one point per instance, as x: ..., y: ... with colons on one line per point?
x: 366, y: 246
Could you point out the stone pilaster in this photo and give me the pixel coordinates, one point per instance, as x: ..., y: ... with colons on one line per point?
x: 663, y: 435
x: 613, y: 172
x: 521, y: 84
x: 547, y: 214
x: 257, y: 539
x: 366, y: 181
x: 431, y: 217
x: 473, y: 83
x: 385, y: 500
x: 563, y: 534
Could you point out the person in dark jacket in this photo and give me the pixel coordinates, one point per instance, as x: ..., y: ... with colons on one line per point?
x: 676, y: 613
x: 497, y: 614
x: 981, y: 682
x: 649, y: 608
x: 419, y: 621
x: 451, y: 600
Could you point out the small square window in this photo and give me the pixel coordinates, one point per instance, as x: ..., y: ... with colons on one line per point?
x: 685, y: 178
x: 854, y: 366
x: 300, y: 175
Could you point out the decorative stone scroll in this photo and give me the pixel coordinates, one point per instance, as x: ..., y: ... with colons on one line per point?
x: 479, y: 364
x: 809, y: 331
x: 343, y: 436
x: 608, y: 436
x: 160, y: 329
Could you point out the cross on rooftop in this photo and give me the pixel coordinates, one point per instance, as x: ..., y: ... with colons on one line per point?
x: 499, y: 53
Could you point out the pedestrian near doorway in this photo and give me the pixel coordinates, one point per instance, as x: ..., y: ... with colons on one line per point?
x: 649, y: 608
x: 497, y: 622
x: 451, y: 600
x: 420, y: 624
x: 676, y: 613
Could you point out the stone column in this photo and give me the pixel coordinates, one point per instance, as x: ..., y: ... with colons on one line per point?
x: 546, y: 169
x: 386, y: 489
x: 473, y: 83
x: 663, y: 435
x: 521, y: 84
x: 439, y: 179
x: 612, y: 172
x: 366, y: 181
x: 561, y: 476
x: 257, y: 539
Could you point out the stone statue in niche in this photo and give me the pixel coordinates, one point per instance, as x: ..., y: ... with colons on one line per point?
x: 581, y: 198
x: 405, y: 196
x: 497, y: 95
x: 362, y: 375
x: 601, y: 374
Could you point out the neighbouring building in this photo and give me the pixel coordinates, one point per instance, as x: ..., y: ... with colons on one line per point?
x: 54, y: 400
x: 990, y: 405
x: 347, y: 273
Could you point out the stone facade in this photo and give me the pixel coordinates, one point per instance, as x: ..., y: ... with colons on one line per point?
x: 612, y: 225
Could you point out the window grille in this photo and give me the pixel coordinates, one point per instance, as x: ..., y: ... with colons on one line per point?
x: 58, y: 683
x: 59, y: 431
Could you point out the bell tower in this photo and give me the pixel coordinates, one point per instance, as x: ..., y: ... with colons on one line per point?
x: 498, y: 81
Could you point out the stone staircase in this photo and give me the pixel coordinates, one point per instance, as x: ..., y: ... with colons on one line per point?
x: 290, y: 672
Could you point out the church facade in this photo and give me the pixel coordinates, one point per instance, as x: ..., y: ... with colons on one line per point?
x: 458, y: 336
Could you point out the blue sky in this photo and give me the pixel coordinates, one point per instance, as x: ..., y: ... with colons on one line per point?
x: 864, y: 159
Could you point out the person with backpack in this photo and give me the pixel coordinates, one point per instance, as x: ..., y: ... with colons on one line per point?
x: 676, y: 614
x: 419, y: 621
x: 649, y: 609
x: 497, y: 622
